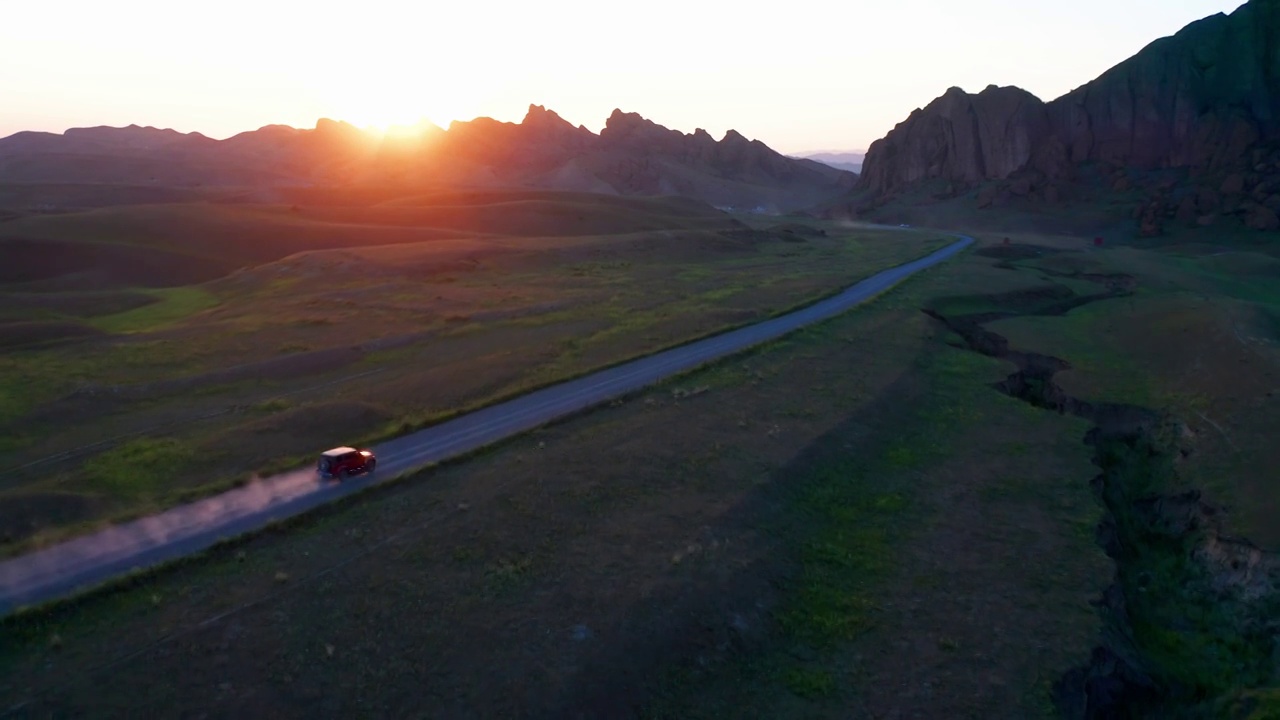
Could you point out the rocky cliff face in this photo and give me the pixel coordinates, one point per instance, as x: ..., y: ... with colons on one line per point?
x: 959, y: 138
x: 1206, y: 100
x: 1199, y: 99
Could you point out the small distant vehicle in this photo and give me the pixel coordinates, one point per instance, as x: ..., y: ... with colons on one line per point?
x: 904, y: 225
x: 343, y: 462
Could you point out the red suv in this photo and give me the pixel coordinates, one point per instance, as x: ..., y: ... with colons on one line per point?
x: 344, y: 462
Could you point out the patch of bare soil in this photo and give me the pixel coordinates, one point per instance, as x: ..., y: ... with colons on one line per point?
x: 278, y: 368
x: 61, y: 197
x: 798, y: 230
x: 1016, y: 251
x: 91, y: 399
x: 433, y: 259
x: 82, y: 305
x: 294, y: 431
x: 43, y: 263
x: 23, y: 513
x: 19, y: 334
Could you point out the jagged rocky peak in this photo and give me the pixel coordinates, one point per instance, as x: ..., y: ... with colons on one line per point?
x: 337, y: 128
x: 539, y: 116
x: 630, y: 130
x: 631, y: 155
x: 546, y: 126
x: 959, y: 137
x: 622, y: 124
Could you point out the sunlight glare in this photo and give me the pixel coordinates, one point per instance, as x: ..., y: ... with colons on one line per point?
x: 398, y: 103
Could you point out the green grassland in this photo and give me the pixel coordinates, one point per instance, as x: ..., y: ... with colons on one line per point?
x: 1197, y: 338
x: 271, y: 363
x: 747, y: 550
x: 851, y: 521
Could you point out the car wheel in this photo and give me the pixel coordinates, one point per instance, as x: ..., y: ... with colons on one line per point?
x: 370, y: 466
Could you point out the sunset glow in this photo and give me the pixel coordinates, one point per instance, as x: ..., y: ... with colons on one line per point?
x: 399, y: 96
x: 804, y: 76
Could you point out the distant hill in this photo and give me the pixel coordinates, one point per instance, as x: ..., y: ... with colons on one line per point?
x: 850, y: 161
x: 1189, y: 129
x: 630, y: 156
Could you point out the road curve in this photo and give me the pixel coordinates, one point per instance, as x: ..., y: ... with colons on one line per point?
x: 83, y: 562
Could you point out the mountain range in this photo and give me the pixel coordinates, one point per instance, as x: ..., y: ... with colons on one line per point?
x: 851, y: 161
x: 1187, y: 131
x: 630, y: 156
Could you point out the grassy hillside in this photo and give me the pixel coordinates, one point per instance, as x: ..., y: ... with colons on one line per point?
x: 173, y: 244
x: 388, y: 322
x: 890, y: 514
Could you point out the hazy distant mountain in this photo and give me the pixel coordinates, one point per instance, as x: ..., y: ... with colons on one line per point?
x: 850, y: 161
x: 630, y: 156
x: 1192, y: 123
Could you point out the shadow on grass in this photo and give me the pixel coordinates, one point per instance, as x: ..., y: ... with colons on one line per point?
x: 760, y: 619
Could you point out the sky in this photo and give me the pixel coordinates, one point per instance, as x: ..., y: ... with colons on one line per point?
x: 799, y: 75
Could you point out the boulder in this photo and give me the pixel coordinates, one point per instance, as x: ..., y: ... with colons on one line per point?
x: 987, y: 195
x: 1233, y: 184
x: 1207, y: 200
x: 1020, y: 187
x: 1260, y: 217
x: 1150, y: 226
x: 1151, y: 218
x: 1186, y: 211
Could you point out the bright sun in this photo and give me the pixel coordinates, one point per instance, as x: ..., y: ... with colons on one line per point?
x: 387, y: 105
x: 391, y: 122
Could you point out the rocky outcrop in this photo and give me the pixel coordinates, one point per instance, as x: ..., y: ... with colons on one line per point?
x: 1202, y: 98
x: 1206, y: 100
x: 959, y: 138
x: 734, y: 158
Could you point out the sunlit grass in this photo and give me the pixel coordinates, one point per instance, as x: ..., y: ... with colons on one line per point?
x: 139, y: 468
x: 488, y: 333
x: 172, y: 305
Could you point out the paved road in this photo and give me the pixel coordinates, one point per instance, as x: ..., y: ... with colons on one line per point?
x: 83, y: 562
